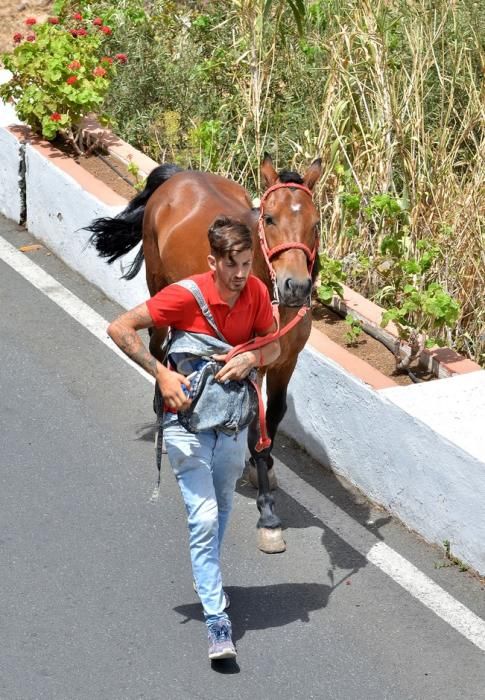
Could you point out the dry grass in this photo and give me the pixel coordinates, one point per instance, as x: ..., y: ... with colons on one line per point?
x: 413, y: 129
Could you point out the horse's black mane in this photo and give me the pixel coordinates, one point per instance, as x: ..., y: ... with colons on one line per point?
x: 290, y: 176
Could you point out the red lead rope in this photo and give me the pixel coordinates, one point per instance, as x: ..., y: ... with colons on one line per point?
x: 264, y: 441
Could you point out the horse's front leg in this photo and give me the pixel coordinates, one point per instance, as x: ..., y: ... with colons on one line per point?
x: 274, y: 415
x: 270, y: 538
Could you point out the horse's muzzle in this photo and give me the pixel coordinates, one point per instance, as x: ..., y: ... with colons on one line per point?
x: 294, y: 292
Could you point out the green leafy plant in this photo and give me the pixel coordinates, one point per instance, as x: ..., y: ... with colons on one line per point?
x: 450, y: 559
x: 403, y: 271
x: 350, y: 201
x: 60, y: 74
x: 426, y: 311
x: 331, y: 278
x: 354, y: 329
x: 134, y: 170
x: 383, y: 205
x: 204, y: 137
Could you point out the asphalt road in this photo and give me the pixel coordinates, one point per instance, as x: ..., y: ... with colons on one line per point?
x: 96, y: 598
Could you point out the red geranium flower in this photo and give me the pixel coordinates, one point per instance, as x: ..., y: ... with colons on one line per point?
x: 77, y: 15
x: 73, y: 32
x: 99, y: 72
x: 56, y: 117
x: 107, y: 59
x: 74, y: 65
x: 17, y: 37
x: 53, y: 20
x: 31, y: 37
x: 121, y: 57
x: 81, y: 32
x: 98, y: 22
x: 71, y: 80
x: 106, y: 30
x: 30, y: 20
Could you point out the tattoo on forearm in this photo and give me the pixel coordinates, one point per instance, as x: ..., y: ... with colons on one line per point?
x: 129, y: 341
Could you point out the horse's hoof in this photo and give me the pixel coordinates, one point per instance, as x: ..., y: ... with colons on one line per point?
x: 270, y: 540
x: 253, y: 478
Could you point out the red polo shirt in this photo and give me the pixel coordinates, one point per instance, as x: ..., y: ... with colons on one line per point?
x: 251, y: 314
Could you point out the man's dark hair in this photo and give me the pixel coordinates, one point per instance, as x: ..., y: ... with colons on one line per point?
x: 228, y: 236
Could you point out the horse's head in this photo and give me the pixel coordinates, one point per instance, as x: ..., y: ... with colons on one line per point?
x: 289, y: 230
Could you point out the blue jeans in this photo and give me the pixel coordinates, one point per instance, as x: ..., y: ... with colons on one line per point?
x: 207, y: 466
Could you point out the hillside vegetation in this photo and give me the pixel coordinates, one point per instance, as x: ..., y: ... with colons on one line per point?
x: 388, y: 93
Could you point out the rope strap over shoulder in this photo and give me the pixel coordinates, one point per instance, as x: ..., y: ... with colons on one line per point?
x: 194, y: 288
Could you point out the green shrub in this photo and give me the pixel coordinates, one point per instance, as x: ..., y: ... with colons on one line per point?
x: 60, y: 74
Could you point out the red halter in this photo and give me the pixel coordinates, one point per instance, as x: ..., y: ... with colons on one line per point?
x: 269, y: 253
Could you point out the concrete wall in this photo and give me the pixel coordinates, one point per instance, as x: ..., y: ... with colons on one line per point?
x: 420, y: 464
x: 59, y: 204
x: 11, y: 180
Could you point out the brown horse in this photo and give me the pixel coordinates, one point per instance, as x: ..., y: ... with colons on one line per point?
x: 172, y: 216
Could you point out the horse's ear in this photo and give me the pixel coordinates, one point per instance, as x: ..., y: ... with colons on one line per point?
x: 268, y: 172
x: 313, y: 173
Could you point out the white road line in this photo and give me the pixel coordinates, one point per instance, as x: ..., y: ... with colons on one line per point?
x: 429, y: 593
x: 61, y: 296
x: 399, y: 569
x: 380, y: 555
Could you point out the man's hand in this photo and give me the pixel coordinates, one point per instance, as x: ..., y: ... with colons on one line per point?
x: 237, y: 368
x: 240, y: 366
x: 170, y: 384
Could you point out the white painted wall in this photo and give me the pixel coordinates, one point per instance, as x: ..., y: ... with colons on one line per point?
x: 392, y: 445
x: 453, y: 407
x: 10, y: 181
x: 57, y: 209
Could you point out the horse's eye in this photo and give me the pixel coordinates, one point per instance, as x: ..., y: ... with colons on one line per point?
x: 268, y: 220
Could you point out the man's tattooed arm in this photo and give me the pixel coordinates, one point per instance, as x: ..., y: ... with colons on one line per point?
x: 123, y: 331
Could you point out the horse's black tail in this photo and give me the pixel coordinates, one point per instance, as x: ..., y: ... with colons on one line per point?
x: 115, y: 236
